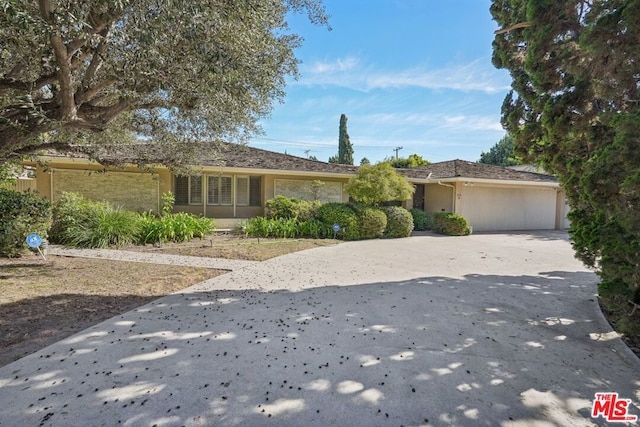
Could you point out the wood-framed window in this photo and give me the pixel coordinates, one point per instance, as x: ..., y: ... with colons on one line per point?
x: 188, y: 190
x: 219, y: 190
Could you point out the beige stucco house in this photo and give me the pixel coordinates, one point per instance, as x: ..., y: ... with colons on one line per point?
x: 238, y: 182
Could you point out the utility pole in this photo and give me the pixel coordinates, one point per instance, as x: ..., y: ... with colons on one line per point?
x: 396, y: 150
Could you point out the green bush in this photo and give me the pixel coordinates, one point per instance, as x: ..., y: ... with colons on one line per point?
x: 270, y: 227
x: 109, y: 226
x: 422, y: 221
x: 371, y: 221
x: 20, y: 215
x: 282, y: 207
x: 70, y: 211
x: 314, y: 228
x: 179, y: 227
x: 452, y: 224
x: 341, y: 214
x: 399, y: 222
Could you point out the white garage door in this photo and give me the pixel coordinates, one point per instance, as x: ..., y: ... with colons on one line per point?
x: 132, y: 191
x: 501, y: 209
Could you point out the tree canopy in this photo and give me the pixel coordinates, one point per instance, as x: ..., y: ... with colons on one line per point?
x: 501, y: 154
x: 74, y: 74
x: 413, y: 161
x: 375, y: 184
x: 575, y: 108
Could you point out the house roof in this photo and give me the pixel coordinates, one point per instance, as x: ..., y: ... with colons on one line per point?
x: 245, y: 157
x: 464, y: 169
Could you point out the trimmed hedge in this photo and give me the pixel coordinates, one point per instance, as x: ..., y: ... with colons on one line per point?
x: 422, y: 221
x: 21, y: 215
x: 371, y: 221
x: 282, y: 207
x: 341, y: 214
x: 399, y: 222
x: 452, y: 224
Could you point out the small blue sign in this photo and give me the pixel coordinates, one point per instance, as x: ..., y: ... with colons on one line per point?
x: 336, y: 227
x: 34, y: 240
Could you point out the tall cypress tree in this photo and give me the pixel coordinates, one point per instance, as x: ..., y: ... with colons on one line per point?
x: 345, y: 149
x: 575, y: 109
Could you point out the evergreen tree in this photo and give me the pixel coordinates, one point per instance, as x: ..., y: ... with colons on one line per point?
x: 74, y: 74
x: 334, y: 159
x: 501, y: 154
x: 364, y: 161
x: 345, y: 149
x: 575, y: 109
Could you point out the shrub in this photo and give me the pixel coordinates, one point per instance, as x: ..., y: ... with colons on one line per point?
x: 270, y: 227
x: 22, y: 214
x: 314, y: 228
x: 341, y: 214
x: 379, y: 183
x: 422, y: 221
x: 109, y: 226
x: 399, y: 222
x: 179, y: 227
x: 282, y: 207
x: 452, y: 224
x: 371, y: 221
x: 70, y: 211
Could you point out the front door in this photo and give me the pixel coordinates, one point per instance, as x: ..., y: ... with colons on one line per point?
x: 418, y: 197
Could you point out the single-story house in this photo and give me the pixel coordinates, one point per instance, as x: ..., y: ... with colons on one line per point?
x: 238, y: 181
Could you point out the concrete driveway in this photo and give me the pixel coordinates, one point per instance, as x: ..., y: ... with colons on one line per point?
x: 496, y: 330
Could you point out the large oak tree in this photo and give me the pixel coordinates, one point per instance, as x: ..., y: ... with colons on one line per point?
x: 575, y: 108
x: 76, y: 73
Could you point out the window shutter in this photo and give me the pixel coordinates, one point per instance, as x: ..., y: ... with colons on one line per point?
x: 242, y: 190
x: 195, y: 187
x: 213, y: 191
x: 225, y: 190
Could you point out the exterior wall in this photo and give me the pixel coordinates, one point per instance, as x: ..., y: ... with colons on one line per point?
x: 495, y: 208
x: 134, y: 191
x: 562, y: 210
x: 438, y: 198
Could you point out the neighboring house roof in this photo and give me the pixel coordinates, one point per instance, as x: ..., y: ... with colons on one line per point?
x: 464, y: 169
x: 245, y: 157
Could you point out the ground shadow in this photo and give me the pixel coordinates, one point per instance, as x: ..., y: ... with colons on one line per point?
x: 479, y: 350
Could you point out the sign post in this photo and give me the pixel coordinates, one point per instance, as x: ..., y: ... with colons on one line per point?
x: 34, y: 241
x: 336, y: 228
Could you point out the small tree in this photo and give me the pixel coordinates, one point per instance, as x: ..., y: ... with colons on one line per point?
x: 379, y: 183
x: 365, y: 161
x: 334, y: 159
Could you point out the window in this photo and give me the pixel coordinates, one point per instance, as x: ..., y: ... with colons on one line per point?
x: 242, y: 190
x: 219, y: 190
x: 255, y: 191
x: 188, y: 190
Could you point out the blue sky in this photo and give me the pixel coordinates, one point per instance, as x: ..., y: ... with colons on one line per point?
x: 409, y: 73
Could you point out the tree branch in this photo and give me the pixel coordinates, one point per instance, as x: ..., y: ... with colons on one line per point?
x: 512, y: 27
x: 68, y: 108
x: 90, y: 93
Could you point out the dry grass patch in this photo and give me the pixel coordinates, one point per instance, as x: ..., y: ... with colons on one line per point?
x: 44, y: 302
x: 237, y: 247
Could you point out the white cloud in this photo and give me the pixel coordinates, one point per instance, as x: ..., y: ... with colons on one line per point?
x: 348, y: 72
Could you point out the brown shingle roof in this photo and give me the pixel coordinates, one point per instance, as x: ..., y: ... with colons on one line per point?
x: 242, y: 156
x: 464, y: 169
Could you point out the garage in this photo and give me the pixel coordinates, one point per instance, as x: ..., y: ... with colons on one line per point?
x: 498, y: 208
